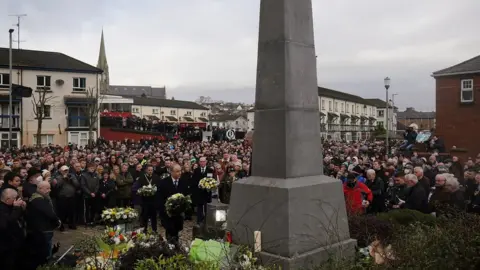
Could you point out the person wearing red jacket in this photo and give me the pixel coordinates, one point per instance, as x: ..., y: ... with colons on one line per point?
x: 357, y: 196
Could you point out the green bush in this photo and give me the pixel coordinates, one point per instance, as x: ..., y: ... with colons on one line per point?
x: 366, y: 229
x: 405, y: 217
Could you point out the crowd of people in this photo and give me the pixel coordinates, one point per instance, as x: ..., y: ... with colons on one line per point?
x: 60, y: 188
x: 374, y: 182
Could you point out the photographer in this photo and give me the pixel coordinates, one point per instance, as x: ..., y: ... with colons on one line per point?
x: 66, y: 188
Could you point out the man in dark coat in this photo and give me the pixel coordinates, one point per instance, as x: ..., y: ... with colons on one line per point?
x: 416, y: 198
x: 30, y: 186
x: 41, y: 222
x: 89, y: 184
x: 201, y: 197
x: 169, y: 186
x: 148, y: 202
x: 12, y: 234
x: 376, y: 185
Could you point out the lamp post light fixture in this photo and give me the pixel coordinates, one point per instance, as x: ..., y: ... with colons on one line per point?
x: 386, y: 82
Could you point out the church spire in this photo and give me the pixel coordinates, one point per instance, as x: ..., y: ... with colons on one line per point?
x: 103, y: 65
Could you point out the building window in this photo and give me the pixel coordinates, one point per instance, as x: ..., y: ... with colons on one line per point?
x: 380, y: 123
x: 135, y: 110
x: 236, y: 122
x: 203, y: 114
x: 4, y: 80
x: 189, y: 113
x: 336, y: 106
x: 342, y: 107
x: 78, y: 117
x: 78, y: 138
x: 329, y: 106
x: 346, y: 108
x: 356, y: 110
x: 154, y: 111
x: 45, y: 113
x: 173, y: 112
x: 79, y: 84
x: 467, y: 90
x: 323, y: 104
x: 45, y: 139
x: 43, y: 82
x: 353, y: 108
x: 381, y: 113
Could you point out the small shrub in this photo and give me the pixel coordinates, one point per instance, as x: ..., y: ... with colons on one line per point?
x: 159, y: 249
x: 404, y: 217
x: 366, y: 229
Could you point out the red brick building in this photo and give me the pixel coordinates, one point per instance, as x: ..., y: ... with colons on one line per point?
x: 458, y: 106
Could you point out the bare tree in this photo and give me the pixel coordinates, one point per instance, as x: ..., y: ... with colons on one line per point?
x: 41, y: 110
x: 93, y: 110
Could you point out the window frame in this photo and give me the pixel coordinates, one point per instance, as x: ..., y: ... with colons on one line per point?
x: 46, y: 136
x: 78, y: 118
x: 463, y: 89
x: 155, y: 111
x: 3, y: 85
x: 44, y: 86
x: 79, y: 88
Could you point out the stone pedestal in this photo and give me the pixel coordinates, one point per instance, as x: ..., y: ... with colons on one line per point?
x: 299, y: 212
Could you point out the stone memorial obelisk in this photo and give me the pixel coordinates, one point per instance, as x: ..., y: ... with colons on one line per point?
x: 297, y: 213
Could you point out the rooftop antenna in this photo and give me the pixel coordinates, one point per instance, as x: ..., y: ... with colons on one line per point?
x: 19, y: 16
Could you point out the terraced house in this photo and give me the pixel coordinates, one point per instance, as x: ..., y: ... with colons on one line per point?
x: 64, y: 80
x: 345, y: 116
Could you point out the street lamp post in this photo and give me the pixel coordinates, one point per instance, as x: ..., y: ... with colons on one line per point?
x: 387, y: 85
x: 10, y: 106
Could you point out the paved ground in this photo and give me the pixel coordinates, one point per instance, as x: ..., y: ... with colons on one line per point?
x: 70, y: 237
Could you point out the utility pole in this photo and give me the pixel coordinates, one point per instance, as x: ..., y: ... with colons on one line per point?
x: 19, y: 16
x: 10, y: 107
x: 394, y: 123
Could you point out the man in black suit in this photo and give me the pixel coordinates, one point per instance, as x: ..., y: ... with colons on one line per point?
x: 148, y: 202
x: 168, y: 187
x: 201, y: 197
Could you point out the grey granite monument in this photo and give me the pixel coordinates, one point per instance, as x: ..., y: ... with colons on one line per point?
x: 299, y: 212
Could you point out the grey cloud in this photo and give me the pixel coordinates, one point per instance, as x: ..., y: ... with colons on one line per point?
x: 209, y: 47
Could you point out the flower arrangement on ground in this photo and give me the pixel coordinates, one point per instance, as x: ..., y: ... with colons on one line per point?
x: 177, y: 204
x: 147, y: 191
x: 114, y: 236
x: 119, y: 215
x: 208, y: 183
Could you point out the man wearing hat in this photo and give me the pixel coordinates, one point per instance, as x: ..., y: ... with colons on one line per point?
x: 357, y: 195
x: 30, y: 186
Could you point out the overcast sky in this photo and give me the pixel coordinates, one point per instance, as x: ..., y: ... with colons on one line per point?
x: 208, y: 47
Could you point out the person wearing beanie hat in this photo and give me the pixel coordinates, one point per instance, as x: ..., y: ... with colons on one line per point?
x: 30, y: 186
x: 357, y: 195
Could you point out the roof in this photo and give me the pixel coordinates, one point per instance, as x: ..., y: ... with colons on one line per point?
x: 225, y: 117
x: 42, y: 60
x: 467, y: 67
x: 325, y: 92
x: 167, y: 103
x: 377, y: 102
x: 137, y: 91
x: 411, y: 113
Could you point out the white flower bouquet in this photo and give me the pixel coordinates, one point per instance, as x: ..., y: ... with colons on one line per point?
x: 147, y: 191
x: 177, y: 204
x: 119, y: 215
x: 208, y: 184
